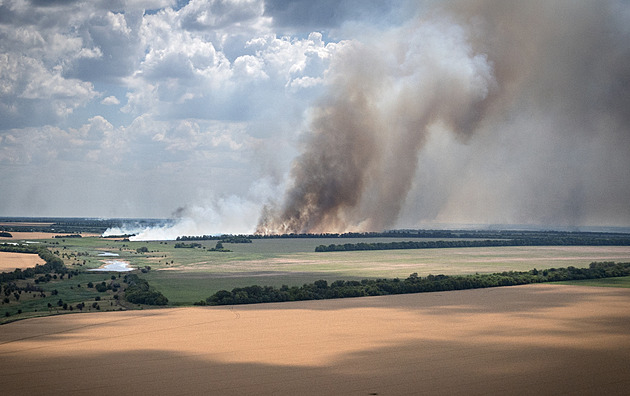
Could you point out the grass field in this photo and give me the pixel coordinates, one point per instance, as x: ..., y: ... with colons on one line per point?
x: 534, y: 339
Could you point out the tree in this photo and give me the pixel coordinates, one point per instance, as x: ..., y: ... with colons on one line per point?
x: 321, y: 284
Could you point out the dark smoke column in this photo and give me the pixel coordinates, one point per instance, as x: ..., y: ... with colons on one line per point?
x: 329, y: 178
x: 361, y: 157
x: 538, y: 91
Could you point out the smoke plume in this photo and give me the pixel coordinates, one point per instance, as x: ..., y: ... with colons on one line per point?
x: 537, y: 92
x: 218, y: 215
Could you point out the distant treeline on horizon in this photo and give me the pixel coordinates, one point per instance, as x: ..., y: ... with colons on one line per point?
x: 75, y: 225
x: 445, y: 239
x: 72, y: 225
x: 550, y: 240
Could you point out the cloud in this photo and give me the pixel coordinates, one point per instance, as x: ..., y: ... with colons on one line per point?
x: 32, y: 93
x: 220, y: 14
x: 113, y: 36
x: 110, y: 101
x: 185, y: 74
x: 327, y: 14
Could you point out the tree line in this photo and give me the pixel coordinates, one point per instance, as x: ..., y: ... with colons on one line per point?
x: 548, y: 240
x: 320, y: 289
x: 181, y: 245
x: 218, y: 248
x: 221, y: 238
x: 450, y: 234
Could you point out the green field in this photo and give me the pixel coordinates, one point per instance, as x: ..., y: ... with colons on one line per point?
x: 187, y: 275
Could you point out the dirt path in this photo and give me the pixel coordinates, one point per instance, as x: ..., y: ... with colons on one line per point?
x: 535, y: 339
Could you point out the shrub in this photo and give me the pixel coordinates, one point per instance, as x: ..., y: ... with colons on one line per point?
x: 139, y: 292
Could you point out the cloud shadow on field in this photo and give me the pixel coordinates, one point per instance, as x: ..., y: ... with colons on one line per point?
x: 433, y: 367
x: 541, y: 339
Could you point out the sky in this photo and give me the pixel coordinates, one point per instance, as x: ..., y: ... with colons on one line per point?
x: 316, y: 116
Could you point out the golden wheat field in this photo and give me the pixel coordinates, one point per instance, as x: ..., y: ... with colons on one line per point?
x: 534, y: 339
x: 10, y: 261
x: 35, y: 235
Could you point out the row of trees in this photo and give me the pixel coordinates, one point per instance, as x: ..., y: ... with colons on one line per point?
x: 413, y: 284
x: 549, y: 240
x: 451, y: 234
x: 218, y: 248
x: 222, y: 238
x: 67, y: 225
x: 180, y: 245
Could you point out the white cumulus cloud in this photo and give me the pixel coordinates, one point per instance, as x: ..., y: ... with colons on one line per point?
x: 110, y: 101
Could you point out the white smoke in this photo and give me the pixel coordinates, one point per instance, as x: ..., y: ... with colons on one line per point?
x: 222, y: 215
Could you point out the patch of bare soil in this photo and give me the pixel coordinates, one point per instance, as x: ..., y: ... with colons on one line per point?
x: 10, y: 261
x: 535, y: 339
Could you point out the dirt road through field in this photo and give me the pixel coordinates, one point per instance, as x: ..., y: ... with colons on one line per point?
x: 535, y: 339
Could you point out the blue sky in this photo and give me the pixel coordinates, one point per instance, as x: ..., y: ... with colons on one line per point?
x: 487, y: 111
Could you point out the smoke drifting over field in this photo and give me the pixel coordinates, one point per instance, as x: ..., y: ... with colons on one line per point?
x: 228, y: 215
x: 538, y: 92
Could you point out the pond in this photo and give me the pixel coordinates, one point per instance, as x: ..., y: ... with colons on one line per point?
x: 114, y: 266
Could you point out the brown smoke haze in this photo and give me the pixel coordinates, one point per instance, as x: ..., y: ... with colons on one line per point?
x: 477, y: 111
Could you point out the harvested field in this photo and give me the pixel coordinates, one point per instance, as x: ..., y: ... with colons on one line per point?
x: 535, y: 339
x: 10, y: 261
x: 29, y: 236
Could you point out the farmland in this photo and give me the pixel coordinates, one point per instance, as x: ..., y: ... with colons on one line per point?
x: 534, y: 339
x: 187, y: 275
x: 469, y: 341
